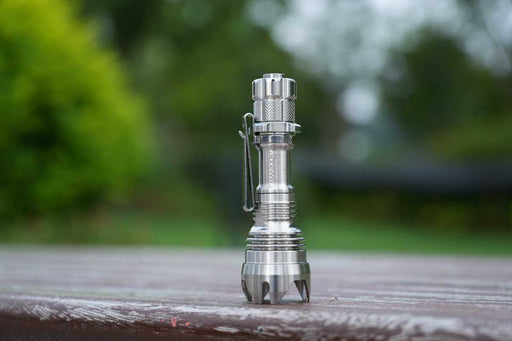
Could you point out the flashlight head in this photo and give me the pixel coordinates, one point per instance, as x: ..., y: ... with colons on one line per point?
x: 274, y: 98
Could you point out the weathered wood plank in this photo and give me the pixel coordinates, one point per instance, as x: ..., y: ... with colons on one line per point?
x: 61, y: 293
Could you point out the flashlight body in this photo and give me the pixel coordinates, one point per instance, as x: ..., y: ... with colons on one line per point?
x: 275, y: 198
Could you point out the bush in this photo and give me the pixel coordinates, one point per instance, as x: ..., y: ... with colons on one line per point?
x: 71, y: 132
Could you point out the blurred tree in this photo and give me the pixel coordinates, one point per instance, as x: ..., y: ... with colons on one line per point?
x: 194, y: 61
x: 447, y: 103
x: 198, y: 64
x: 126, y: 23
x: 71, y: 132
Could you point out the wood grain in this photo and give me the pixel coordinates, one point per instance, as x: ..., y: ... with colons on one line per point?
x: 143, y: 293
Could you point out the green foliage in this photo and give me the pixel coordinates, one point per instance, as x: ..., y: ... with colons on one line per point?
x: 198, y: 66
x: 447, y: 103
x: 71, y: 132
x: 194, y: 61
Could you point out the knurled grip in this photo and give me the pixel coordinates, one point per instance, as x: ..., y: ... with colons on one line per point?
x: 274, y: 98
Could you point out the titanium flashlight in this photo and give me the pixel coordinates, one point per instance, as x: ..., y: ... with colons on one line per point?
x: 275, y: 259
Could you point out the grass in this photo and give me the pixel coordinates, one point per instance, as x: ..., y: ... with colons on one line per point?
x: 125, y: 229
x: 347, y: 235
x: 326, y: 233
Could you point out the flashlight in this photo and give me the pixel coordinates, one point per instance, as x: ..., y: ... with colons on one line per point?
x: 275, y: 258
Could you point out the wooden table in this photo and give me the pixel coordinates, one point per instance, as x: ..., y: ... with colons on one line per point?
x: 124, y: 293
